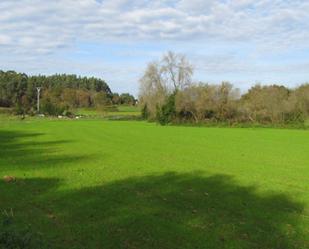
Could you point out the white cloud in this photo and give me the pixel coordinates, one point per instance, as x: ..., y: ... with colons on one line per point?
x: 53, y: 24
x: 4, y: 39
x: 37, y: 28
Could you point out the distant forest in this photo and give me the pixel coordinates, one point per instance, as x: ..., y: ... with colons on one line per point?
x: 60, y: 93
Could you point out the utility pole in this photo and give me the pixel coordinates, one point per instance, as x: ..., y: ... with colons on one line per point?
x: 38, y: 100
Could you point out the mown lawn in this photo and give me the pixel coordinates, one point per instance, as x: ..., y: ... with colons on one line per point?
x: 128, y: 184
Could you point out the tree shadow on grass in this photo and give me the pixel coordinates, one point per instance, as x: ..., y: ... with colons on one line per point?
x: 21, y: 150
x: 170, y: 211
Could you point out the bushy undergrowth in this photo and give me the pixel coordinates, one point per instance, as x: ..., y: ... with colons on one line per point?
x: 274, y: 106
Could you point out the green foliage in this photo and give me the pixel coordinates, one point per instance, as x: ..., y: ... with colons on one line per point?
x: 127, y: 99
x: 101, y: 99
x: 294, y: 117
x: 123, y: 99
x: 145, y: 112
x: 58, y: 91
x: 6, y: 110
x: 167, y: 112
x: 265, y: 105
x: 49, y: 107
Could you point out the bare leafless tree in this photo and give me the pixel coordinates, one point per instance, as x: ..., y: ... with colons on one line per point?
x: 153, y: 89
x: 177, y: 70
x: 162, y: 78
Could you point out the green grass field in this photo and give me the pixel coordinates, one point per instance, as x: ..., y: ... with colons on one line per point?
x: 117, y: 111
x: 128, y: 184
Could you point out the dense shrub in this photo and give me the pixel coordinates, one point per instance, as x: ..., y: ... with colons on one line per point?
x: 167, y: 112
x: 50, y: 108
x: 223, y: 104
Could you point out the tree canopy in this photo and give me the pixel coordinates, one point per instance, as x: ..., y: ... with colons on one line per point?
x: 168, y: 95
x: 59, y: 92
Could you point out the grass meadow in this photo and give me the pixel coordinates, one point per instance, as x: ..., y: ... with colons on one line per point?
x: 111, y: 112
x: 132, y: 184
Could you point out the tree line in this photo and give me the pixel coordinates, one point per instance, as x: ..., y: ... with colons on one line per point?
x: 168, y: 95
x: 60, y: 93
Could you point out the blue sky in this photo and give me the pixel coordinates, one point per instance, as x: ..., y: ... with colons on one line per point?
x: 241, y: 41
